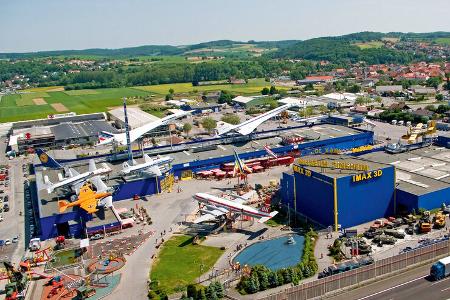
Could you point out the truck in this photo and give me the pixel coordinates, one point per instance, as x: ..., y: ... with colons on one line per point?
x: 440, y: 269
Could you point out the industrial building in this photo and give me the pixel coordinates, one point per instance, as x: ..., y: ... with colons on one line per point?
x: 189, y: 158
x: 59, y: 135
x: 378, y: 185
x: 337, y: 189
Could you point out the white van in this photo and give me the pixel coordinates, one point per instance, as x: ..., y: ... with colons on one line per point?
x: 394, y: 122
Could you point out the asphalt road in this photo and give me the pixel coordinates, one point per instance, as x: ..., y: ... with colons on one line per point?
x: 410, y: 285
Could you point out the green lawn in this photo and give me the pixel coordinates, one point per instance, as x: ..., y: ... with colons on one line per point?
x: 445, y: 41
x: 178, y: 263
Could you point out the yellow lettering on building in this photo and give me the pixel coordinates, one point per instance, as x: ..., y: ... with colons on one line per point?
x: 367, y: 175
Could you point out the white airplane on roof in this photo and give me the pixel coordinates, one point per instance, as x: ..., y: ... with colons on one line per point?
x: 150, y: 166
x: 75, y: 180
x: 121, y: 138
x: 249, y: 126
x: 217, y: 207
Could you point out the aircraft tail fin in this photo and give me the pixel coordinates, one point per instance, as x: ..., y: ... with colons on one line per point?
x: 92, y: 166
x: 63, y: 205
x: 47, y: 160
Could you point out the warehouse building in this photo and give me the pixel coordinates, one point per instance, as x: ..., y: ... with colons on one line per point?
x: 339, y: 190
x: 136, y: 117
x: 370, y: 186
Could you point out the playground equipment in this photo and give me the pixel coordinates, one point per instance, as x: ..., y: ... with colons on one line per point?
x: 60, y: 242
x: 39, y: 257
x: 111, y: 263
x: 17, y: 282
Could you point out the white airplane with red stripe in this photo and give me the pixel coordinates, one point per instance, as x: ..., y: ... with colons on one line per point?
x: 219, y: 206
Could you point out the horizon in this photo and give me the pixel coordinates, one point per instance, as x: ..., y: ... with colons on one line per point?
x: 51, y: 25
x: 208, y: 41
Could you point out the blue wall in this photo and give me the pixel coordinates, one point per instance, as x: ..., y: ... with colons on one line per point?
x: 287, y: 189
x: 364, y: 201
x: 315, y: 197
x: 142, y: 187
x: 443, y: 141
x: 427, y: 201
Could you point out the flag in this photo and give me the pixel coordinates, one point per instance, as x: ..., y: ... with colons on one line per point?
x: 239, y: 166
x: 270, y: 152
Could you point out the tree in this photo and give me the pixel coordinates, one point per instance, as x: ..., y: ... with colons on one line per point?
x: 439, y: 97
x: 354, y: 89
x: 225, y: 97
x: 265, y: 91
x: 171, y: 91
x: 360, y: 100
x: 231, y: 119
x: 169, y: 97
x: 273, y: 90
x: 209, y: 124
x: 434, y: 82
x: 187, y: 128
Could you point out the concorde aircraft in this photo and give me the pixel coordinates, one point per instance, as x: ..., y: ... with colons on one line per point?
x: 75, y: 180
x: 150, y: 166
x: 249, y: 126
x: 121, y: 138
x: 217, y: 207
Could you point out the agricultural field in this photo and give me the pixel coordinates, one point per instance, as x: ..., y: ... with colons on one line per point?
x: 371, y: 44
x: 40, y: 102
x: 254, y: 86
x: 180, y: 263
x: 445, y: 41
x: 35, y: 105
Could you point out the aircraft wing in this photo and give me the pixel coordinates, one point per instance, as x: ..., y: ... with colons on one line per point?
x: 154, y: 170
x: 92, y: 166
x: 99, y: 184
x: 204, y: 218
x: 140, y: 131
x: 249, y: 126
x: 89, y: 205
x: 77, y: 187
x: 73, y: 172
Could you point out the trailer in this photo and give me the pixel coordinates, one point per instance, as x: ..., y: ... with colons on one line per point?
x: 440, y: 269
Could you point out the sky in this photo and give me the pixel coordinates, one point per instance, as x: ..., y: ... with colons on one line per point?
x: 34, y: 25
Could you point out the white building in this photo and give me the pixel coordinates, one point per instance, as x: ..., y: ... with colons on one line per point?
x: 136, y: 117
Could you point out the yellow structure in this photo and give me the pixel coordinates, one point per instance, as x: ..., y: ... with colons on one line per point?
x: 414, y: 133
x: 87, y: 200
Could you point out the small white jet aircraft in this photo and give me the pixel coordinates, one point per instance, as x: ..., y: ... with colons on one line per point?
x: 121, y: 138
x: 249, y: 126
x: 150, y: 166
x: 76, y: 180
x: 217, y: 207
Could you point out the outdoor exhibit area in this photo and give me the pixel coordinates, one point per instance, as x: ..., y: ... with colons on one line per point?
x: 180, y: 262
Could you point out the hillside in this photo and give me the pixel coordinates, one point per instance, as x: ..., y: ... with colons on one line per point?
x: 371, y: 47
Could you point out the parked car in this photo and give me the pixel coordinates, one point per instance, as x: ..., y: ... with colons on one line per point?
x: 7, y: 242
x: 15, y: 239
x: 96, y: 237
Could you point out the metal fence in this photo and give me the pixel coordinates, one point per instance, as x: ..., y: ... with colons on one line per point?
x: 382, y: 267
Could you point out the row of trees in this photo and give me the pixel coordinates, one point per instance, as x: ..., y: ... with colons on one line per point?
x: 261, y: 278
x: 213, y: 291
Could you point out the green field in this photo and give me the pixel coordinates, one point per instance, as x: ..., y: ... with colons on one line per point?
x: 179, y: 263
x: 368, y: 45
x: 254, y: 86
x: 18, y: 107
x: 445, y: 41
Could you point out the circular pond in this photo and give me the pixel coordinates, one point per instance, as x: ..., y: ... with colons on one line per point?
x: 275, y: 254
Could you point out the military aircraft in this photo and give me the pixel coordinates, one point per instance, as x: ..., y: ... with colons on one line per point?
x: 87, y: 200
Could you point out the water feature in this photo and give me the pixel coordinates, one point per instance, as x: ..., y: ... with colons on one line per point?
x: 275, y: 254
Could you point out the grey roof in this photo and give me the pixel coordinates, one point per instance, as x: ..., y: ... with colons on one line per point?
x: 419, y: 171
x: 389, y: 88
x: 80, y: 130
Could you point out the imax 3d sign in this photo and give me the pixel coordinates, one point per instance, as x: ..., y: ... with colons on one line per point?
x: 367, y: 175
